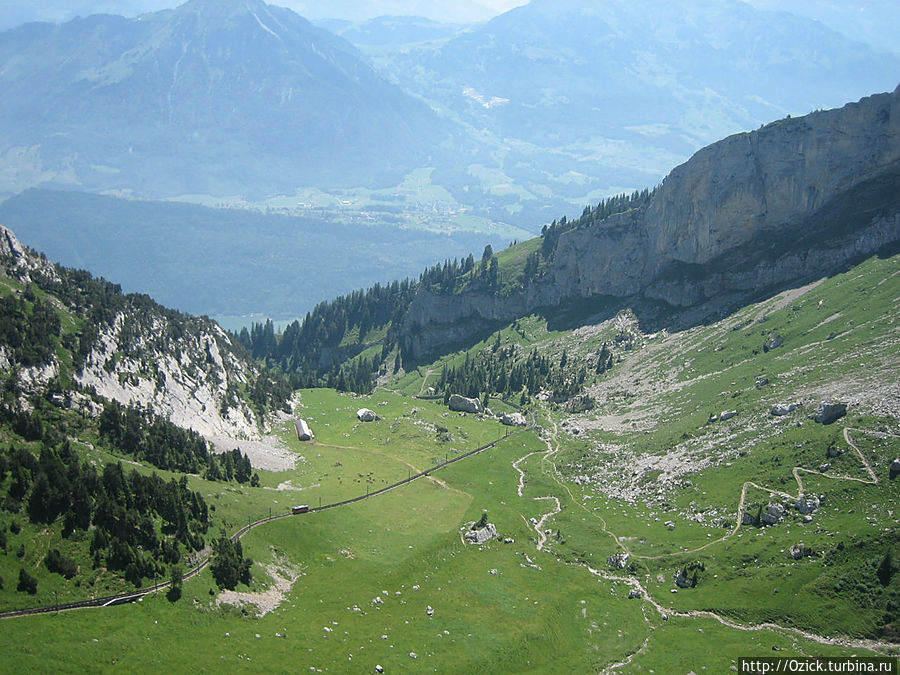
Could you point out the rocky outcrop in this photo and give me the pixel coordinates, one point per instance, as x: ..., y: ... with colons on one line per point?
x: 190, y: 381
x: 481, y: 535
x: 827, y: 413
x: 514, y: 420
x: 797, y: 198
x: 21, y: 262
x: 184, y: 368
x: 459, y: 403
x: 618, y: 561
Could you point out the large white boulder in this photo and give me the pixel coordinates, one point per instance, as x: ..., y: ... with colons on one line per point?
x: 516, y: 419
x: 462, y: 404
x: 366, y: 415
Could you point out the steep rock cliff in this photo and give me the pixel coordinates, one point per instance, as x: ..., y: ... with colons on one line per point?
x: 796, y: 198
x: 132, y: 350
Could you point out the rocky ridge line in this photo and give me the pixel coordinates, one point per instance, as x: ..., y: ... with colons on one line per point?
x: 794, y: 199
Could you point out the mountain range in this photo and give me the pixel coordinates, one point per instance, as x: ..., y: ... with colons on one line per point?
x: 225, y: 97
x: 744, y: 217
x: 580, y: 97
x: 675, y: 418
x: 533, y: 114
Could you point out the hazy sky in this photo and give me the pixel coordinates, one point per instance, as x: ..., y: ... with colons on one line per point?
x: 870, y: 21
x: 14, y: 12
x: 451, y: 11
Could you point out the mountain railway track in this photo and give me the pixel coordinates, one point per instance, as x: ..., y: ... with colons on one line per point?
x: 133, y: 596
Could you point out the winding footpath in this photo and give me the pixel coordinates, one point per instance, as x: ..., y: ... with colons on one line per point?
x: 666, y: 612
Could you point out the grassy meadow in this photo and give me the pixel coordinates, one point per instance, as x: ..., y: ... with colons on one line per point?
x: 650, y: 471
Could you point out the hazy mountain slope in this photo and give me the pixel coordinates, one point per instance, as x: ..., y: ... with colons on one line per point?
x: 14, y: 13
x: 863, y: 20
x: 699, y: 67
x: 586, y: 96
x: 211, y: 97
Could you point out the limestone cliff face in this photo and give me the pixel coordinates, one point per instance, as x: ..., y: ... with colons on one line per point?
x: 185, y: 368
x: 796, y: 198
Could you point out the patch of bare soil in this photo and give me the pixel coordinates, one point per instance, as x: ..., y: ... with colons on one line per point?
x: 284, y: 578
x: 269, y: 452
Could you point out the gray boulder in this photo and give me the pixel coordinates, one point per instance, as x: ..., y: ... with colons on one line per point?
x: 799, y: 551
x: 514, y: 420
x: 830, y: 412
x: 727, y: 414
x: 772, y: 514
x: 781, y: 409
x: 482, y: 535
x: 366, y: 415
x: 774, y: 342
x: 807, y: 505
x: 618, y: 561
x: 895, y: 468
x: 459, y: 403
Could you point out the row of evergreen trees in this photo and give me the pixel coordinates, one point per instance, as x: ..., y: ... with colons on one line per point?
x: 311, y: 352
x: 139, y: 523
x: 147, y: 437
x: 506, y: 371
x: 333, y: 333
x: 320, y: 350
x: 452, y: 275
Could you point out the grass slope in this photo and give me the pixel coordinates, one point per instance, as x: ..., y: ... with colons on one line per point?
x: 645, y: 472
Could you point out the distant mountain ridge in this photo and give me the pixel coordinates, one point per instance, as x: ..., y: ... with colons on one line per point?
x: 792, y: 201
x: 585, y: 96
x: 224, y: 97
x: 541, y: 110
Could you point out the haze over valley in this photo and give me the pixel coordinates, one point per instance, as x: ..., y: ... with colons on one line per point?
x: 492, y: 129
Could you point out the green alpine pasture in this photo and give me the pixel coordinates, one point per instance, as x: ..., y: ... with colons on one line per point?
x: 652, y: 470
